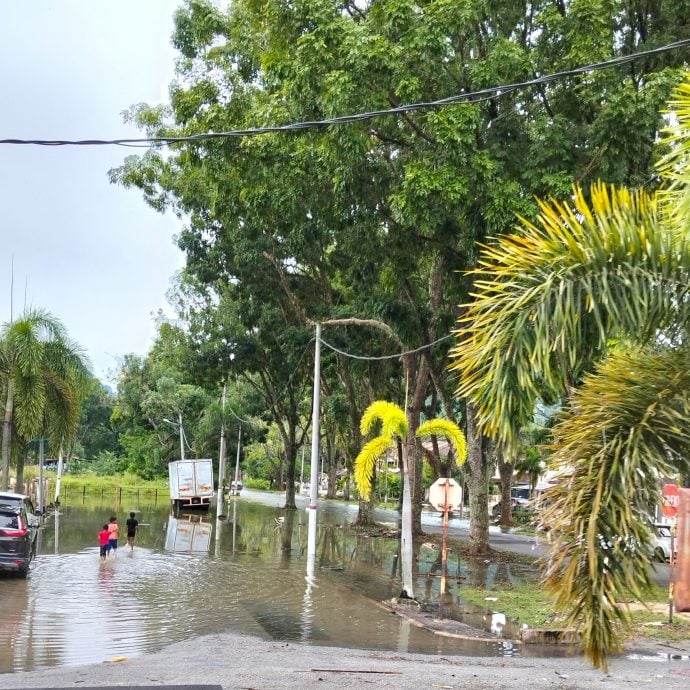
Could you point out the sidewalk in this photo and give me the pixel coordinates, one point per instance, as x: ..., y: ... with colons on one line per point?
x: 243, y: 662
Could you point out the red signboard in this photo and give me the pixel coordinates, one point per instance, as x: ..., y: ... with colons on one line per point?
x: 669, y: 500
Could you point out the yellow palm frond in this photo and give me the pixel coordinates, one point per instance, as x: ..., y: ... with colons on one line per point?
x: 392, y: 419
x: 548, y: 299
x: 444, y: 427
x: 366, y: 461
x: 626, y: 427
x: 673, y: 167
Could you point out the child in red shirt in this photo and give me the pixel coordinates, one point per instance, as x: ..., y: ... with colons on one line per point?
x: 103, y: 539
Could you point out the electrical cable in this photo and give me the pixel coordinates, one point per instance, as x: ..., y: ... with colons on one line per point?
x: 382, y: 357
x: 471, y: 97
x: 294, y: 371
x: 239, y: 419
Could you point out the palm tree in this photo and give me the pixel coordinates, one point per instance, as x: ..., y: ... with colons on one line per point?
x: 42, y: 374
x: 531, y: 457
x: 591, y: 303
x: 393, y: 432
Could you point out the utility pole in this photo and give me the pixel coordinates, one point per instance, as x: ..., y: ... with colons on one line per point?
x: 313, y: 489
x: 222, y: 455
x: 41, y: 497
x: 58, y: 481
x: 237, y: 461
x: 179, y: 419
x: 301, y: 472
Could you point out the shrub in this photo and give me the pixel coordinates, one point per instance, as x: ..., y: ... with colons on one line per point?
x: 262, y: 484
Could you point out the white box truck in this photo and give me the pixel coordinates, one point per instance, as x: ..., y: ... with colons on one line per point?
x: 191, y: 483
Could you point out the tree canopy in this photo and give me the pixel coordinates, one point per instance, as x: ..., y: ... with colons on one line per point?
x: 379, y: 219
x: 592, y: 303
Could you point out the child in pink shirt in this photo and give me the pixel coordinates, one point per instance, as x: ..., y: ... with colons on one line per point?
x: 113, y: 529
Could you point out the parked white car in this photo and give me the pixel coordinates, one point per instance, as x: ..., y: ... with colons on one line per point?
x: 662, y: 543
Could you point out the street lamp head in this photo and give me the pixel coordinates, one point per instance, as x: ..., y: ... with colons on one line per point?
x: 169, y: 421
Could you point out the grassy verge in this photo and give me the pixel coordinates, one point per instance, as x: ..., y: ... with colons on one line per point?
x: 116, y: 485
x: 528, y: 603
x: 114, y: 481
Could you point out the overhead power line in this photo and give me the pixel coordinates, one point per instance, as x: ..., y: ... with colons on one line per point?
x: 382, y: 357
x: 470, y: 97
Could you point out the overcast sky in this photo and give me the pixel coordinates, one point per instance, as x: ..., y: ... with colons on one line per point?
x: 93, y: 254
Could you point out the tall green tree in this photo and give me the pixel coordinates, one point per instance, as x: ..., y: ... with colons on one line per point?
x: 96, y: 433
x: 379, y: 219
x: 42, y: 377
x: 592, y: 304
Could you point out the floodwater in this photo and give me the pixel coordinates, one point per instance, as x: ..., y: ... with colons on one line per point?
x: 195, y: 574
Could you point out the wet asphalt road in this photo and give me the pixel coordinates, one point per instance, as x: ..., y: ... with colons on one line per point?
x: 458, y: 528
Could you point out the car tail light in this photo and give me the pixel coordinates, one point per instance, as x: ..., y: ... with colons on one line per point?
x: 20, y: 531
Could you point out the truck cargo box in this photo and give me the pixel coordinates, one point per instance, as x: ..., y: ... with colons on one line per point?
x: 191, y: 483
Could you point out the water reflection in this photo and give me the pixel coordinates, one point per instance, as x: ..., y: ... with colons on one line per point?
x: 190, y: 533
x: 308, y: 604
x: 272, y: 573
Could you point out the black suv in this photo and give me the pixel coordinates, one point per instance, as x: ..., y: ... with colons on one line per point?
x: 17, y: 539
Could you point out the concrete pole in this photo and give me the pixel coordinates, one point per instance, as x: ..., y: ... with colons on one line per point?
x: 237, y: 461
x: 58, y: 481
x: 222, y: 459
x: 313, y: 492
x: 41, y: 497
x: 301, y: 472
x: 179, y: 421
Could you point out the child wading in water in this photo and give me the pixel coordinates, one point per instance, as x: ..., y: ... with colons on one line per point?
x: 114, y: 530
x: 132, y: 524
x: 103, y: 539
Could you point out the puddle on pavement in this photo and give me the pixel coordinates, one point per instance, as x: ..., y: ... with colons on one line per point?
x: 192, y: 575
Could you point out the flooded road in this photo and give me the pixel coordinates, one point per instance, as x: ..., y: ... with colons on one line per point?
x: 196, y: 574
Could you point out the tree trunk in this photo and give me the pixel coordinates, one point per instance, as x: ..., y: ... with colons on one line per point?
x: 287, y: 528
x: 478, y: 484
x: 7, y: 436
x: 505, y: 470
x: 21, y: 463
x: 332, y: 467
x: 291, y: 464
x: 365, y: 516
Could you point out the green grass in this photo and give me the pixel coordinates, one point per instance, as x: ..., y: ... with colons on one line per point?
x: 116, y: 485
x: 114, y: 481
x: 654, y: 624
x: 527, y: 603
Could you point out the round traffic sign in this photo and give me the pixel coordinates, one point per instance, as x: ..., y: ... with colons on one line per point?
x: 445, y: 494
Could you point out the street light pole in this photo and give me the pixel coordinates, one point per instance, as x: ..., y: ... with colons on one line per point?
x: 313, y: 493
x: 222, y: 456
x: 41, y: 480
x: 237, y: 462
x: 179, y: 417
x: 178, y: 424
